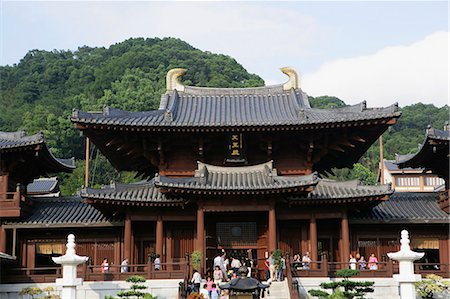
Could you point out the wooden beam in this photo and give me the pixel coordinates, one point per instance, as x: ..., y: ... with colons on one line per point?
x: 86, y: 176
x: 345, y: 247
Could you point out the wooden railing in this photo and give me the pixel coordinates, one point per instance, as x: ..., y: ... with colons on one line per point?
x: 292, y: 284
x: 385, y: 269
x: 180, y: 270
x: 175, y: 270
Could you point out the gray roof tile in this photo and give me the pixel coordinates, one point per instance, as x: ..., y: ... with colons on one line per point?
x: 227, y: 107
x: 332, y: 190
x: 237, y: 179
x: 43, y: 185
x: 64, y: 210
x: 406, y: 207
x: 143, y: 192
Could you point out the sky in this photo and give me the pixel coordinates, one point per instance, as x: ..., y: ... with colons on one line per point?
x: 382, y: 52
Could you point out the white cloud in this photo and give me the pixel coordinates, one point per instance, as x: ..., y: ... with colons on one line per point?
x: 406, y: 74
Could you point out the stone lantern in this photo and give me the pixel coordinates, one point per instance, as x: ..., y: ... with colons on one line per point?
x: 406, y: 258
x: 69, y: 262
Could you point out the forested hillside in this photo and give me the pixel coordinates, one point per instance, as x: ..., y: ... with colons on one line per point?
x: 40, y: 92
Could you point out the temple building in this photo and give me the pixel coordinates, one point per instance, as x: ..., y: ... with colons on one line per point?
x: 237, y: 169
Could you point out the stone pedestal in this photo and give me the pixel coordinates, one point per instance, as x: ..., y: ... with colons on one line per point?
x: 69, y: 262
x: 406, y: 258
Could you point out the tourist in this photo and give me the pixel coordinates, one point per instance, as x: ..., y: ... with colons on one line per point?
x: 235, y: 265
x: 124, y: 266
x: 224, y: 294
x: 157, y: 262
x: 196, y: 280
x: 306, y: 261
x: 362, y: 263
x: 105, y: 266
x: 297, y: 262
x: 214, y: 294
x: 267, y: 268
x: 373, y: 262
x: 249, y: 265
x: 204, y: 292
x: 209, y: 283
x: 272, y: 268
x: 280, y: 268
x: 352, y: 262
x: 217, y: 275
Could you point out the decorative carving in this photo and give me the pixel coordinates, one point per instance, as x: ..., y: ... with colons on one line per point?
x: 172, y: 81
x: 294, y: 78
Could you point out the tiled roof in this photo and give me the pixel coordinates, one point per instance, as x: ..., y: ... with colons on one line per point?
x: 328, y: 190
x: 185, y: 107
x: 73, y: 211
x: 433, y: 154
x: 236, y: 179
x: 144, y: 193
x: 10, y: 141
x: 42, y: 185
x: 391, y: 165
x: 405, y: 207
x: 186, y: 110
x: 19, y: 139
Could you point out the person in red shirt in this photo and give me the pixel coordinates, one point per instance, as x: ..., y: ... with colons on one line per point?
x: 267, y: 268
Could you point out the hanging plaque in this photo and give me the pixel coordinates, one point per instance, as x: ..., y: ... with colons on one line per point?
x: 235, y: 149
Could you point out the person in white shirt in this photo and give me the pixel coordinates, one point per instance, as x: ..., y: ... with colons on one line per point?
x: 157, y: 263
x: 124, y: 266
x: 205, y: 291
x: 235, y: 265
x: 196, y: 280
x: 352, y: 261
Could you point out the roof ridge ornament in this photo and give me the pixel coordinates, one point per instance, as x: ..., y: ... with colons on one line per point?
x: 172, y: 81
x: 294, y: 78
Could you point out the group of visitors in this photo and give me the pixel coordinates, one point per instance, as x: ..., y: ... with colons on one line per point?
x: 210, y: 288
x: 274, y: 271
x: 358, y: 262
x: 303, y: 262
x: 225, y: 270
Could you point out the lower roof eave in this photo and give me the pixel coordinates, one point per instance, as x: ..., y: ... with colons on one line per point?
x: 134, y: 203
x: 62, y: 225
x: 338, y: 200
x: 399, y: 221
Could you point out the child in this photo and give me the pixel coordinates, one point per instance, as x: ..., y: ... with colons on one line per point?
x: 224, y: 294
x: 214, y: 292
x: 209, y: 284
x: 204, y: 291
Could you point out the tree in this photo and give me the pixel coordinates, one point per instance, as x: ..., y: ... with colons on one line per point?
x: 345, y: 288
x: 196, y: 259
x: 135, y: 290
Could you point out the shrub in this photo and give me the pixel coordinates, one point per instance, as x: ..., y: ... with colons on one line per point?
x: 432, y: 284
x: 345, y: 288
x: 196, y: 259
x: 135, y: 290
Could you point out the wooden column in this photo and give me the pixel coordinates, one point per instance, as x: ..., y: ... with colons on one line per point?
x: 86, y: 175
x: 3, y: 185
x: 2, y: 239
x: 159, y: 236
x: 313, y: 240
x: 127, y: 238
x: 345, y: 244
x: 272, y: 229
x: 169, y: 250
x: 31, y: 255
x: 200, y: 231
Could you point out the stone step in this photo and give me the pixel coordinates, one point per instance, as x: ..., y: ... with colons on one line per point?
x: 278, y: 290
